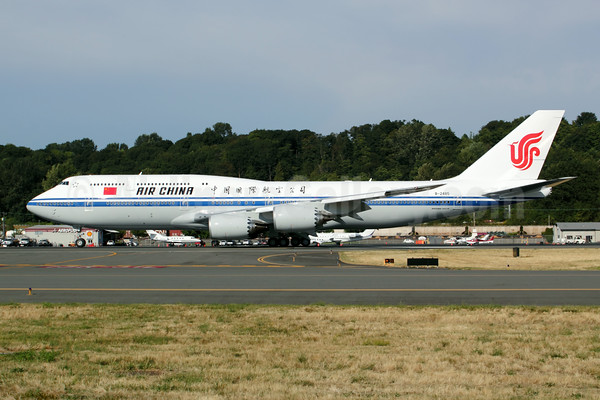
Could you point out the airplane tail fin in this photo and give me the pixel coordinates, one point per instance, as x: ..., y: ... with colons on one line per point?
x: 154, y: 235
x: 368, y: 232
x: 520, y: 155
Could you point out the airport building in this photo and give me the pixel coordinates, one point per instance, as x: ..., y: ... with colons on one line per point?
x: 63, y: 235
x: 576, y: 232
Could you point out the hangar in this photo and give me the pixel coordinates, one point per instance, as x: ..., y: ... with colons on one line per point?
x: 576, y: 232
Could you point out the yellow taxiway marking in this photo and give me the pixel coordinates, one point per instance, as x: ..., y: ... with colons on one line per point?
x: 415, y: 274
x: 146, y: 266
x: 112, y: 253
x: 263, y: 259
x: 4, y: 266
x: 300, y: 290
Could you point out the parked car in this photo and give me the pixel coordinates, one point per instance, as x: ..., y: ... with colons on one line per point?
x: 44, y: 243
x: 9, y: 242
x: 25, y: 242
x: 110, y: 243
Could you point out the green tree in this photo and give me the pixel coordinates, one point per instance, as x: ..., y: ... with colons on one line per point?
x: 585, y: 118
x: 390, y: 150
x: 57, y: 173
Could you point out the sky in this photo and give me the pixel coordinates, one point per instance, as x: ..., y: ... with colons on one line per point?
x: 113, y: 70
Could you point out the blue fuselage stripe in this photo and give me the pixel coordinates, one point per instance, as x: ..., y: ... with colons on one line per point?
x: 119, y: 202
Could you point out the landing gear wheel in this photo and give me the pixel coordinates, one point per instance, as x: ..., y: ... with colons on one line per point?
x: 305, y: 242
x: 80, y: 242
x: 284, y: 242
x: 273, y: 242
x: 295, y: 241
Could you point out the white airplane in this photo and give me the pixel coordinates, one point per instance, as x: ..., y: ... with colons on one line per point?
x: 236, y: 208
x: 451, y: 241
x: 469, y: 240
x: 175, y: 240
x: 339, y: 238
x: 486, y: 239
x: 475, y: 238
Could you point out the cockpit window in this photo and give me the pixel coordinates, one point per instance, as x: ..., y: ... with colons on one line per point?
x: 66, y: 183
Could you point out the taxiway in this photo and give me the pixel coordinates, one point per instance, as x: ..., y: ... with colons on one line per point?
x: 267, y: 276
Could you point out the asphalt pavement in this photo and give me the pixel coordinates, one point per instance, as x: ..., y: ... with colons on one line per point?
x: 267, y: 276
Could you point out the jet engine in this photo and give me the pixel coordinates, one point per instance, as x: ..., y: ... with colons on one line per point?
x: 233, y: 226
x: 304, y: 217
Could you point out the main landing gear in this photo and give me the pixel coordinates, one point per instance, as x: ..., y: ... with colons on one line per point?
x: 283, y: 241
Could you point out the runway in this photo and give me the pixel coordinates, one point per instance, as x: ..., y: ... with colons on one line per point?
x: 267, y: 276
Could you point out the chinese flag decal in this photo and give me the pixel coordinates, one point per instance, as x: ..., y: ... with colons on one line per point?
x: 110, y: 191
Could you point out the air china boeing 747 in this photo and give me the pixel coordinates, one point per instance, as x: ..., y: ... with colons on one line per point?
x: 236, y: 208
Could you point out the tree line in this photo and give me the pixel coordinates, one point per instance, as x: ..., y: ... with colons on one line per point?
x: 390, y: 150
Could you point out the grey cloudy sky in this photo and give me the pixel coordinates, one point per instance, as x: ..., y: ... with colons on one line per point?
x: 112, y: 70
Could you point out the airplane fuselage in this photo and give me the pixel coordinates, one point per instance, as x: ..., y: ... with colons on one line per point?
x: 158, y: 201
x: 235, y: 208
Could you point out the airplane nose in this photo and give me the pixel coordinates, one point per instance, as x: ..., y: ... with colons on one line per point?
x: 33, y: 206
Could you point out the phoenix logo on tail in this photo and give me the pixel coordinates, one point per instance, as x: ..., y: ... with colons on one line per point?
x: 525, y: 152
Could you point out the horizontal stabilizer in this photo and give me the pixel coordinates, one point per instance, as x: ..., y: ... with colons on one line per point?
x: 519, y: 190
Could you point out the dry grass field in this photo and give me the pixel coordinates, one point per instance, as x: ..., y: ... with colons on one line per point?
x: 301, y: 352
x: 531, y: 258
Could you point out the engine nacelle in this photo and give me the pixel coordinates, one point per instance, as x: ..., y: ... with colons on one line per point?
x: 233, y: 226
x: 297, y: 217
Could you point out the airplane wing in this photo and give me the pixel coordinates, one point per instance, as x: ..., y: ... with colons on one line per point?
x: 350, y: 205
x: 332, y: 206
x: 519, y: 190
x: 380, y: 194
x: 340, y: 200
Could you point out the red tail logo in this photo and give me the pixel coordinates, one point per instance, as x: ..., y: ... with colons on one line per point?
x: 523, y: 151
